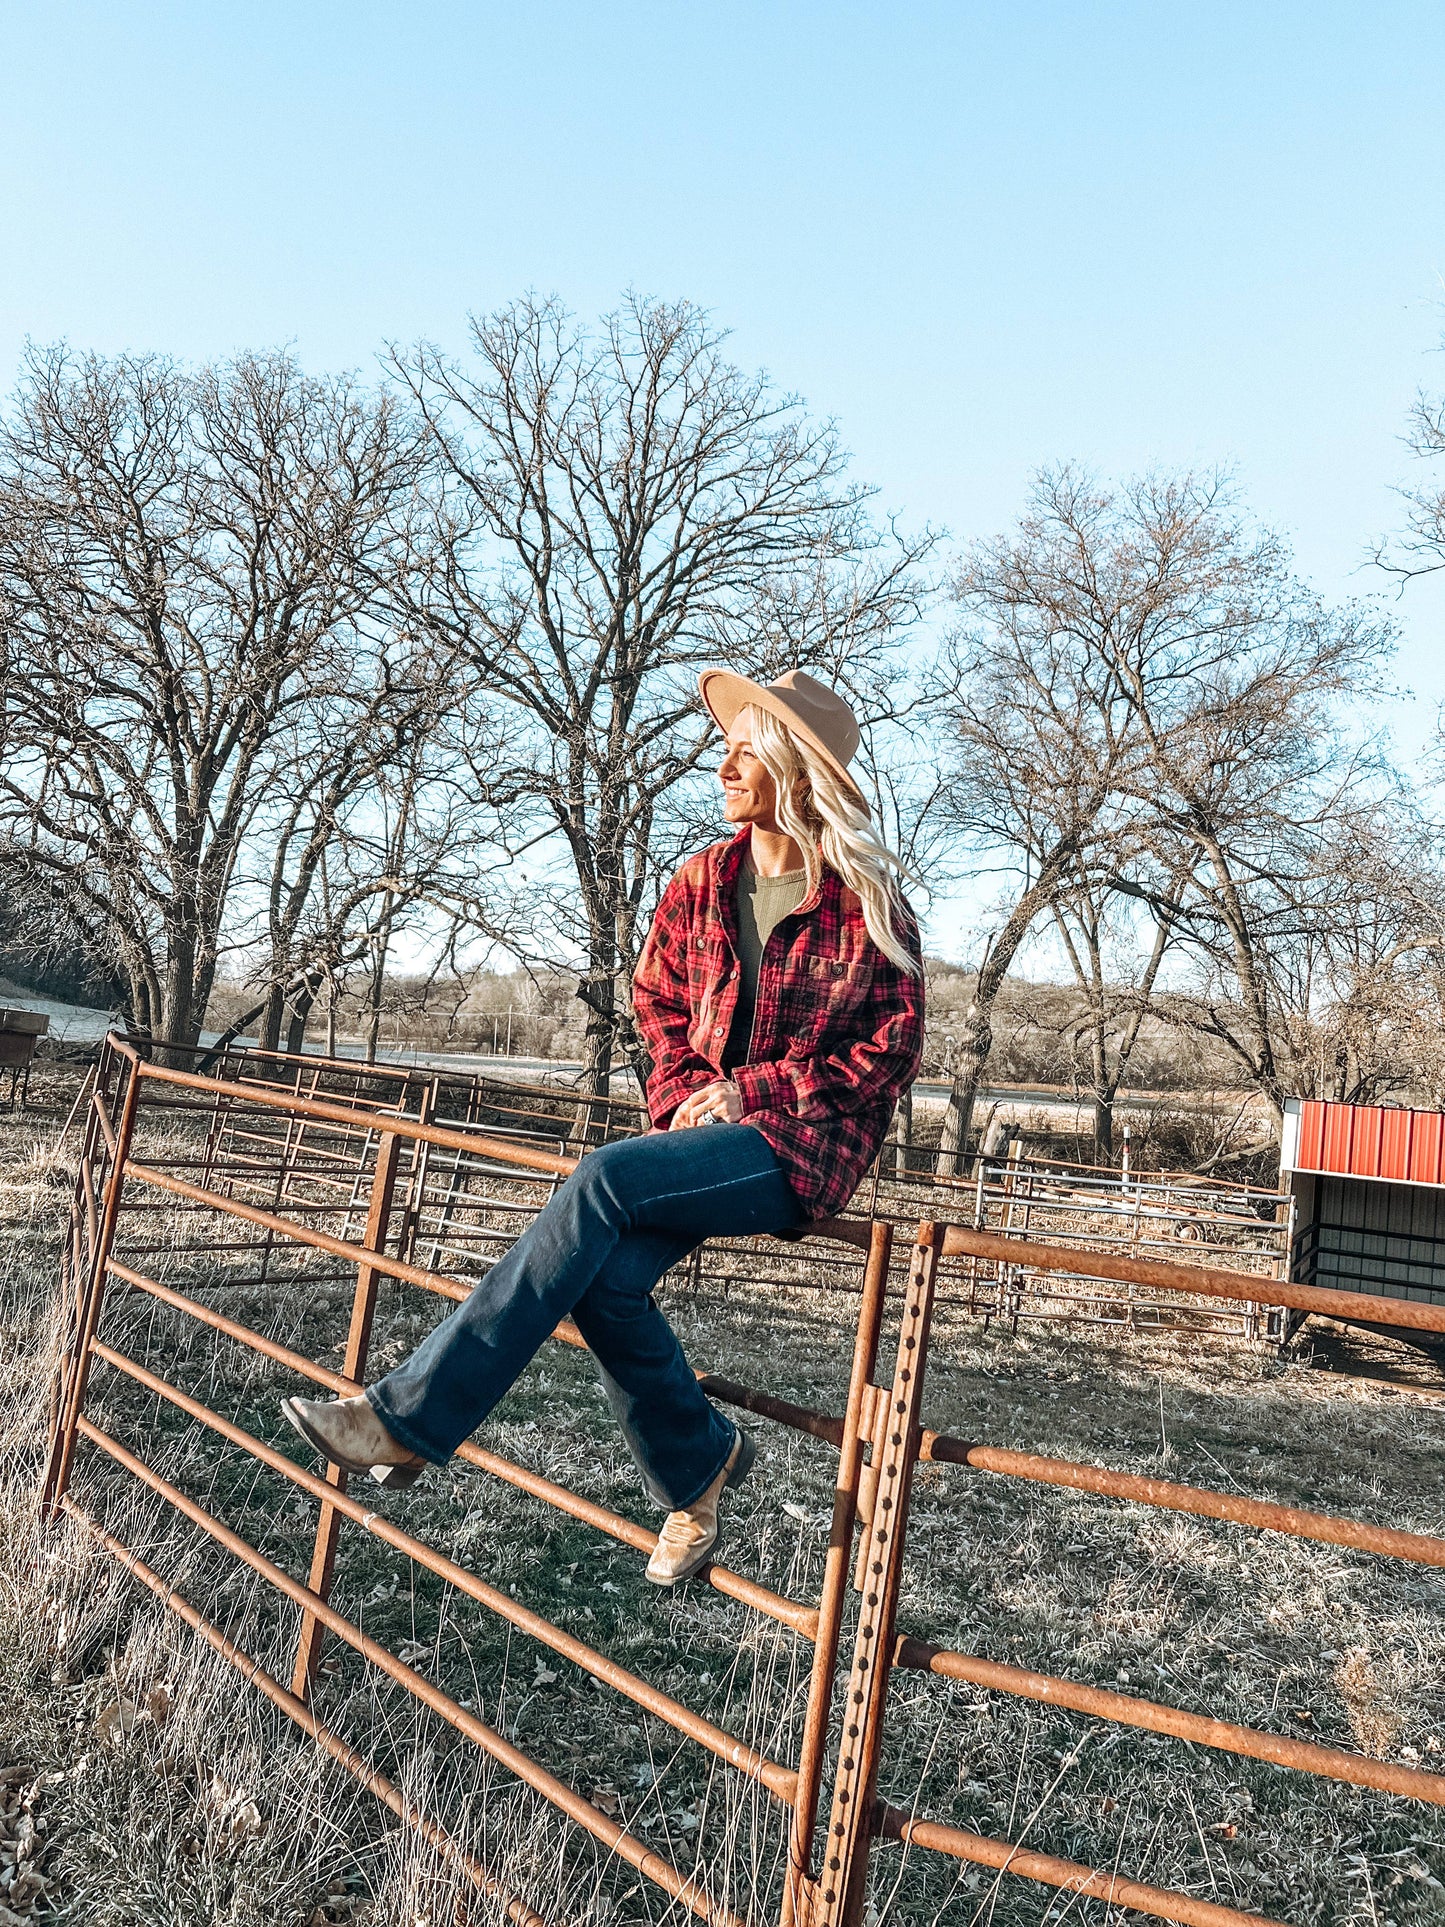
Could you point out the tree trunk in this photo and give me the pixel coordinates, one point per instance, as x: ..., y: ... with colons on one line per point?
x: 180, y: 1016
x: 136, y: 1016
x: 977, y: 1039
x: 1252, y: 983
x: 903, y: 1143
x: 302, y: 1002
x: 598, y: 991
x: 1103, y: 1100
x: 270, y: 1037
x: 373, y: 1011
x: 630, y: 1048
x: 973, y: 1048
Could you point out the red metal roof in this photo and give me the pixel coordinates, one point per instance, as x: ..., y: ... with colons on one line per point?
x: 1369, y: 1141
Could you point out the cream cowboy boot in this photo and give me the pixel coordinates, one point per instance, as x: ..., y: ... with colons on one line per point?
x: 348, y: 1432
x: 690, y: 1538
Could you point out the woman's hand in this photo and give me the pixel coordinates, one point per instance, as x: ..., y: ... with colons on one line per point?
x: 722, y: 1101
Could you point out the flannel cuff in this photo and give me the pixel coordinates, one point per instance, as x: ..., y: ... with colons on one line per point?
x: 764, y: 1087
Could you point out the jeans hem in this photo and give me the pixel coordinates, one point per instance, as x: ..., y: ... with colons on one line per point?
x: 402, y: 1432
x: 683, y: 1504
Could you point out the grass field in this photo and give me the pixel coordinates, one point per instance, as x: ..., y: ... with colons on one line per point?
x: 171, y: 1794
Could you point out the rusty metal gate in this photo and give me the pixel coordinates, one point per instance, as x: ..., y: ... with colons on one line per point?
x: 274, y: 1165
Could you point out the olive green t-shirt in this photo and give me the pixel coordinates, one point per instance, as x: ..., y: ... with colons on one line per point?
x: 762, y: 904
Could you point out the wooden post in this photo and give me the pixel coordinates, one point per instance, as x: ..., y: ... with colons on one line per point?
x: 358, y: 1341
x: 903, y: 1142
x: 417, y: 1174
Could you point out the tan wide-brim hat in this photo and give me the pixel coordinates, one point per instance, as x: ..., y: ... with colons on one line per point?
x: 810, y: 709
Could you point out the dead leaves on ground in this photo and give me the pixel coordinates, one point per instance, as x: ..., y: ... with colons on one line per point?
x: 234, y: 1817
x: 1374, y: 1715
x: 125, y: 1713
x: 22, y: 1846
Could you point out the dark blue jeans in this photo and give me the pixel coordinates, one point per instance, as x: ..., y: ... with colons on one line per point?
x: 627, y: 1214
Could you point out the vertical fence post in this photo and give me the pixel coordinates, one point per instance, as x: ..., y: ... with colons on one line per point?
x: 85, y: 1222
x: 358, y: 1341
x: 73, y: 1381
x: 290, y: 1150
x: 797, y: 1895
x: 418, y: 1173
x: 78, y: 1249
x: 839, y: 1892
x: 216, y: 1129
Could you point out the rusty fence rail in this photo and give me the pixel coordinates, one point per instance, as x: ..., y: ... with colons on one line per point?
x: 374, y: 1170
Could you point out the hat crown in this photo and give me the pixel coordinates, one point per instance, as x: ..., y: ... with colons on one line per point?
x: 822, y: 709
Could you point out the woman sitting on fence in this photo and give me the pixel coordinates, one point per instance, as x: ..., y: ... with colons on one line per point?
x: 779, y: 996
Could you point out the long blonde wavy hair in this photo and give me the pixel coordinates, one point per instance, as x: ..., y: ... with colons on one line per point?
x: 825, y: 819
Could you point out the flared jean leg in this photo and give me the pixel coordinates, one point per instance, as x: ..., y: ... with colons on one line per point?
x: 679, y: 1440
x: 680, y: 1187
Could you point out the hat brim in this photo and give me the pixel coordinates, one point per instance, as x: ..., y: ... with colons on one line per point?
x: 725, y: 693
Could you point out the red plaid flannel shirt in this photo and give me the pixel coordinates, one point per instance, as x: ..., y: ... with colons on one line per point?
x: 837, y: 1028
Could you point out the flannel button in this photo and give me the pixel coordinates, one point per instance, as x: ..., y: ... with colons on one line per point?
x: 717, y: 1030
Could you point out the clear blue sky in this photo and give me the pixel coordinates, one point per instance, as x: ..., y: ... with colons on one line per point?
x: 982, y: 236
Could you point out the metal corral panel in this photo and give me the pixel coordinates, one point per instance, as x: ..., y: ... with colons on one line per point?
x: 1374, y: 1237
x: 1364, y: 1141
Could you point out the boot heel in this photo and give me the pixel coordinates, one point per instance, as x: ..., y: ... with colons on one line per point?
x: 396, y: 1478
x: 747, y: 1458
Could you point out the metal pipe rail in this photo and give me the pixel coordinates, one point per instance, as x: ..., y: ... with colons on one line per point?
x: 899, y: 1443
x: 879, y: 1437
x: 1096, y: 1883
x: 1204, y: 1280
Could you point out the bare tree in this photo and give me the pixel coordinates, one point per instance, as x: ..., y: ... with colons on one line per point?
x: 1101, y: 941
x: 46, y: 943
x: 1251, y: 779
x: 1419, y: 549
x: 622, y: 506
x: 1344, y: 933
x: 337, y: 755
x: 365, y: 826
x: 1043, y: 745
x: 187, y: 560
x: 1147, y: 671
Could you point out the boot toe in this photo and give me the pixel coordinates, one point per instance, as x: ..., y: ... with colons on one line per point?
x: 345, y: 1431
x: 672, y: 1564
x: 301, y: 1413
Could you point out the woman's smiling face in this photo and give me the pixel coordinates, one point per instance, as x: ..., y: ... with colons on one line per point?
x: 749, y: 793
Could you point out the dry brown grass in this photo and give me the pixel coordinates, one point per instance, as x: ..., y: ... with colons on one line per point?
x: 198, y: 1805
